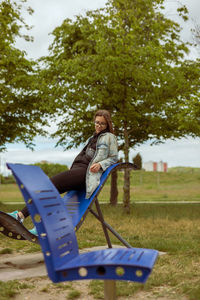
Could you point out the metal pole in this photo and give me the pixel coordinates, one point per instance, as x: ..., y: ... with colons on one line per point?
x: 110, y: 290
x: 112, y: 230
x: 100, y: 217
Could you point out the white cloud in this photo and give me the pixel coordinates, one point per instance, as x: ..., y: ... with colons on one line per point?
x: 48, y: 14
x: 193, y: 7
x: 25, y: 156
x: 183, y: 152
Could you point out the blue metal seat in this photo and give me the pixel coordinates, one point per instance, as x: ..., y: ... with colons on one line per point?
x: 76, y: 202
x: 58, y: 239
x: 78, y: 206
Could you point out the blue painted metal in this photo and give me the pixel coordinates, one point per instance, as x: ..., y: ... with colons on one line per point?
x: 58, y: 240
x: 76, y: 202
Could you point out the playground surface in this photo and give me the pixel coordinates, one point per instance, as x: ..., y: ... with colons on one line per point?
x: 27, y: 265
x: 171, y: 228
x: 29, y: 269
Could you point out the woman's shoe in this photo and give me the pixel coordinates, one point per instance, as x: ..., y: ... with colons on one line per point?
x: 15, y: 215
x: 33, y: 231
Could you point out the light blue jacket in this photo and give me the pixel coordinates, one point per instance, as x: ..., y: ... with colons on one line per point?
x: 106, y: 154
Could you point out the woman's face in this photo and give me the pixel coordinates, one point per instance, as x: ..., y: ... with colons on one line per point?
x: 100, y: 124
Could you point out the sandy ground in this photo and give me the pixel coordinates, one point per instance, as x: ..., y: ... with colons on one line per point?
x: 30, y: 269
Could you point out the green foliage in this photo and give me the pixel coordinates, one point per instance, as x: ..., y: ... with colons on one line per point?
x: 138, y: 161
x: 127, y: 58
x: 21, y: 112
x: 7, y: 180
x: 51, y: 169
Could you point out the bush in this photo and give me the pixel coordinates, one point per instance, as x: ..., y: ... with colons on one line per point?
x: 7, y: 180
x: 51, y: 169
x: 137, y: 160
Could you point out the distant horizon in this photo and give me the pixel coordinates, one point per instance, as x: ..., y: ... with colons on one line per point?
x: 184, y: 152
x: 4, y: 171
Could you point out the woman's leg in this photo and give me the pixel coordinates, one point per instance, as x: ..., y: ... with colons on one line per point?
x: 73, y: 179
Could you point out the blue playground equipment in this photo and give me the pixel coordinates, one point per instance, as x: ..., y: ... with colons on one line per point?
x: 56, y: 219
x: 78, y: 206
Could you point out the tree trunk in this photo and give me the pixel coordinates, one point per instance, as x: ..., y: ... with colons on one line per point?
x: 126, y: 200
x: 113, y: 189
x: 127, y: 191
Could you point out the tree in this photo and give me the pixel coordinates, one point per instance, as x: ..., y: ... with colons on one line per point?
x: 51, y: 169
x: 137, y: 160
x: 113, y: 186
x: 21, y: 112
x: 127, y: 58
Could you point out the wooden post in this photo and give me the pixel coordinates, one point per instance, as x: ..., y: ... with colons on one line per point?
x: 110, y: 290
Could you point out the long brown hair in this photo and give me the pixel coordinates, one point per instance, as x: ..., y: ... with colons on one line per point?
x: 106, y: 114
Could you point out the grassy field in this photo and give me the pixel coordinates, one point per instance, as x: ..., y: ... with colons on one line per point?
x: 176, y: 185
x: 171, y: 228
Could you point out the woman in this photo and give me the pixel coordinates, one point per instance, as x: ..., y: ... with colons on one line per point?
x: 99, y: 153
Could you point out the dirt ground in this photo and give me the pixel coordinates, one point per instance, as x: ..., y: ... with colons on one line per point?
x: 30, y: 270
x: 40, y: 292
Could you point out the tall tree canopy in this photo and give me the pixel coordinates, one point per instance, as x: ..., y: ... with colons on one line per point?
x: 128, y: 58
x: 20, y: 111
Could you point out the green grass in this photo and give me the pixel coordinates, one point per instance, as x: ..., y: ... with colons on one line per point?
x: 156, y: 186
x: 170, y: 228
x: 57, y: 286
x: 6, y: 251
x: 10, y: 193
x: 8, y: 290
x: 73, y: 294
x: 179, y: 184
x: 173, y: 229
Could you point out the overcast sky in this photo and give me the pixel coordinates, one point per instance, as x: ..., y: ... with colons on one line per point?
x: 50, y: 14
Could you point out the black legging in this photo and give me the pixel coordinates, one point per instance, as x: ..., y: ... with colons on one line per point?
x: 73, y: 179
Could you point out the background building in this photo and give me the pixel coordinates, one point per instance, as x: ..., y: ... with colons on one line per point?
x: 153, y: 166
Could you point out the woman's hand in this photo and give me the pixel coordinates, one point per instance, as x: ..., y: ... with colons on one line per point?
x: 95, y: 167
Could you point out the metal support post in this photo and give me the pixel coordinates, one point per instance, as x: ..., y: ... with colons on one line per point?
x: 116, y: 234
x: 100, y: 216
x: 110, y: 290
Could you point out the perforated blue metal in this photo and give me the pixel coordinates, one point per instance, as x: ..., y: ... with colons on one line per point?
x: 118, y: 264
x: 76, y: 202
x: 48, y: 213
x: 58, y: 240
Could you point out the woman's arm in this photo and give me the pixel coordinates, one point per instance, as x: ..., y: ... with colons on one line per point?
x: 110, y: 159
x: 95, y: 167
